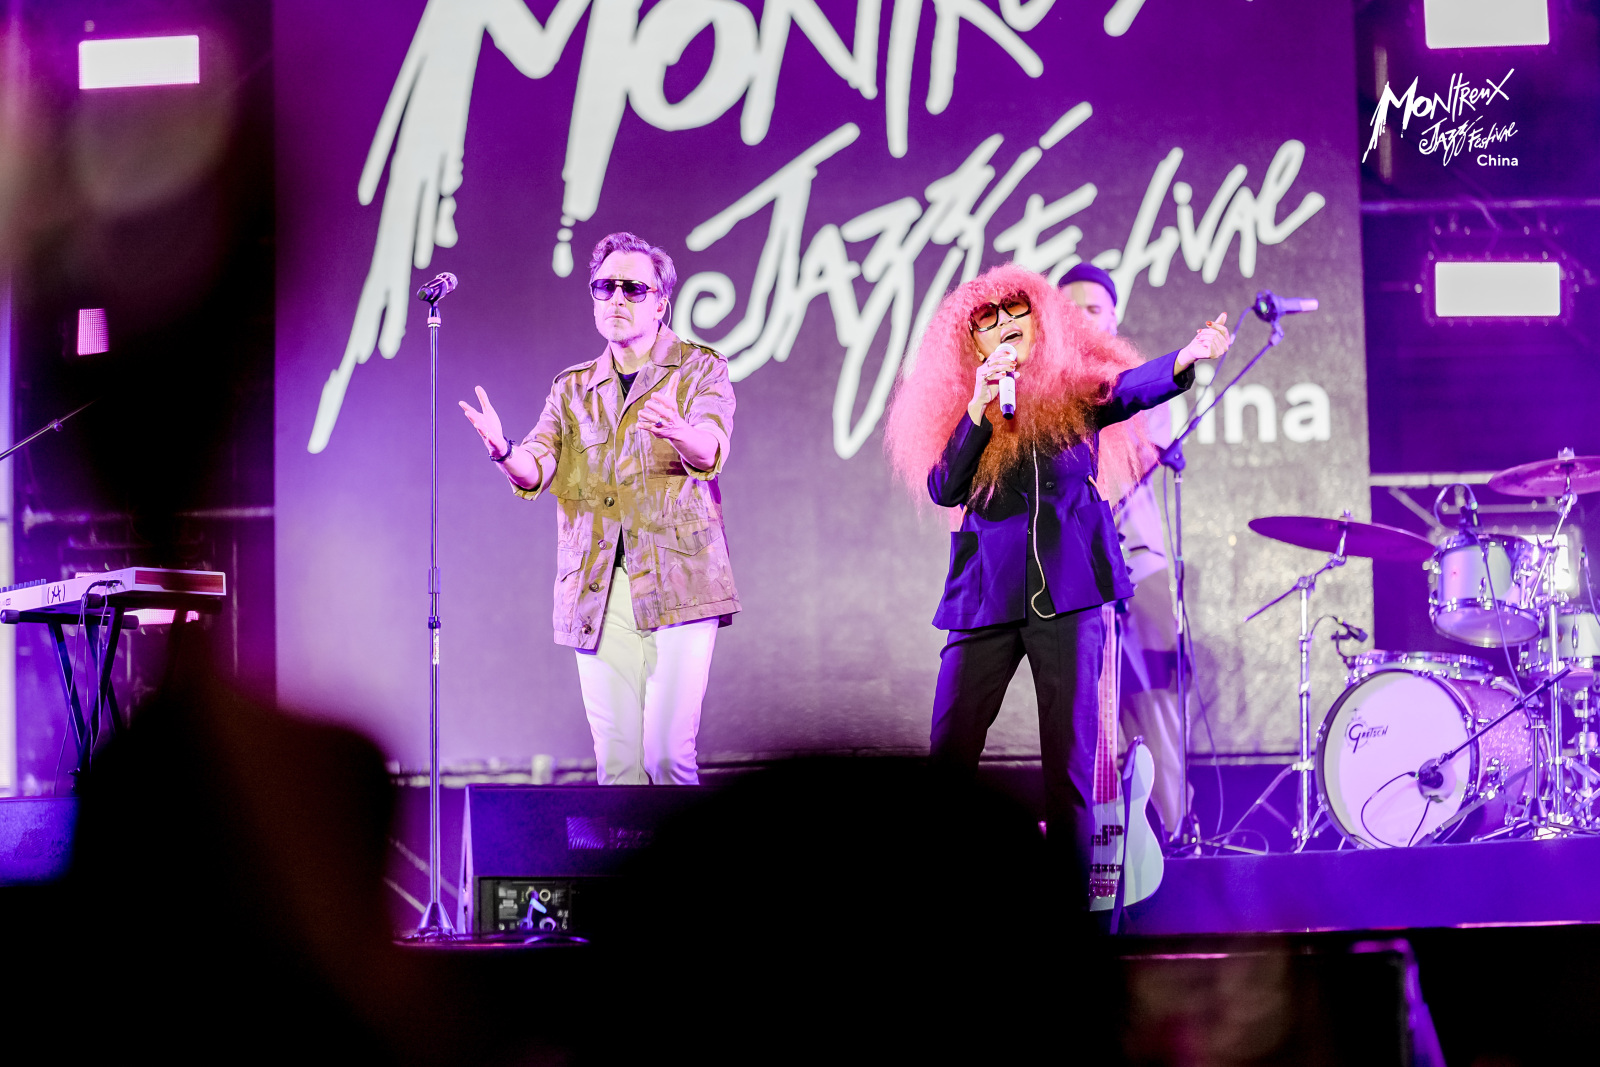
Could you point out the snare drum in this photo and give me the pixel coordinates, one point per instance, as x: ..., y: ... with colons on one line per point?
x: 1387, y: 724
x: 1578, y: 641
x: 1481, y: 590
x: 1462, y: 668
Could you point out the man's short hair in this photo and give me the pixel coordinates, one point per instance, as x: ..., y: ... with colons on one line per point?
x: 1088, y: 272
x: 623, y: 241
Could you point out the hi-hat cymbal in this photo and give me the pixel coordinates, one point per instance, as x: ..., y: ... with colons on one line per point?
x: 1370, y: 539
x: 1550, y: 477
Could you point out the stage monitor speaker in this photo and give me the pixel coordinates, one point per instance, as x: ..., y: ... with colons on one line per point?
x: 536, y: 858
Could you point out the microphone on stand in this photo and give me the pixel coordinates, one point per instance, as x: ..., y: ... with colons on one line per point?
x: 1430, y: 778
x: 437, y: 289
x: 1270, y: 305
x: 1467, y: 521
x: 1353, y: 631
x: 1008, y: 386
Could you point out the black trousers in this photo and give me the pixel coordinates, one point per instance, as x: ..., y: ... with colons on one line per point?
x: 1064, y: 654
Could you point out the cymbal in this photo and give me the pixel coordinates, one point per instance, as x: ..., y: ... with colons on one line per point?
x: 1369, y: 539
x: 1548, y: 477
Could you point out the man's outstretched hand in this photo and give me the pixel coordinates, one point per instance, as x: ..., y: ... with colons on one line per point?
x: 487, y: 423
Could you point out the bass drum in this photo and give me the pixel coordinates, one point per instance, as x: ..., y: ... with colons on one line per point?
x: 1385, y: 726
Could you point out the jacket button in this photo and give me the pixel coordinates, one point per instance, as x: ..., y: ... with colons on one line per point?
x: 588, y: 629
x: 605, y: 544
x: 610, y: 501
x: 1049, y: 485
x: 594, y: 587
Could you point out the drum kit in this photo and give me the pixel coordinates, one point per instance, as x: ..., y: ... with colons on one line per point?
x: 1424, y: 748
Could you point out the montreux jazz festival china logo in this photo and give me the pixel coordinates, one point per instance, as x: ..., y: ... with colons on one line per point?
x: 1460, y: 127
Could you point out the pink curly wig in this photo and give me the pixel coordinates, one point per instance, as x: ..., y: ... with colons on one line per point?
x: 1070, y: 369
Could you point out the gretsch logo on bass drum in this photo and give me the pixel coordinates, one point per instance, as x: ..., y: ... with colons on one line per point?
x: 1360, y: 733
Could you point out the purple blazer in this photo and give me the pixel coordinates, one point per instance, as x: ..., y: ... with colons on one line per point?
x: 1077, y: 539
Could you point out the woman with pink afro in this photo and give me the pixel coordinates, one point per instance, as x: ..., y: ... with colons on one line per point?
x: 1034, y: 565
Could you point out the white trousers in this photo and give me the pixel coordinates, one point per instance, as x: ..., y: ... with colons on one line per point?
x: 642, y: 690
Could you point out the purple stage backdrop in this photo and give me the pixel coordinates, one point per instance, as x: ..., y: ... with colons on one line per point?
x: 823, y: 173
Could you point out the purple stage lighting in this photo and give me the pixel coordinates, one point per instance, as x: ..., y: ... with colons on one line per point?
x: 1486, y: 23
x: 1497, y: 290
x: 115, y: 63
x: 92, y: 335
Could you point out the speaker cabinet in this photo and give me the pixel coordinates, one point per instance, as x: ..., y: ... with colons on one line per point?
x: 537, y: 857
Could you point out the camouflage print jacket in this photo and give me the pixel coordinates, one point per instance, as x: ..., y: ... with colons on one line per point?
x: 613, y: 479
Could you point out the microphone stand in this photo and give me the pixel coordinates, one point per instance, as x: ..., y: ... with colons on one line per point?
x: 1172, y: 458
x: 53, y: 424
x: 435, y: 925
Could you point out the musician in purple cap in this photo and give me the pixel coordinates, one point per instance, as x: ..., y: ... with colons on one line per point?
x: 1146, y: 625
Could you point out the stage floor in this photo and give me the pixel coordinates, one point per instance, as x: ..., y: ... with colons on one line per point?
x: 1503, y: 883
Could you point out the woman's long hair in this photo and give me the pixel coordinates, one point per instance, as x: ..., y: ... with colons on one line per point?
x: 1071, y: 369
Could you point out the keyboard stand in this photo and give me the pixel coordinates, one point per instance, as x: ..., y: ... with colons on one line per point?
x: 103, y: 626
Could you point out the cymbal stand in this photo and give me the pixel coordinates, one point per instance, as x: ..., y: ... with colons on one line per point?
x: 1585, y: 744
x: 1553, y: 814
x: 1305, y: 585
x: 1587, y: 789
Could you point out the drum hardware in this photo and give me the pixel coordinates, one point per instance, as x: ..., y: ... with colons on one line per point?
x: 1493, y: 590
x: 1554, y: 813
x: 1343, y: 537
x: 1382, y: 728
x: 1483, y: 774
x: 1565, y: 654
x: 1305, y: 585
x: 1507, y: 769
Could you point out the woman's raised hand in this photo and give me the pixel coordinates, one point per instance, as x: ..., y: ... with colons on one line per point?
x: 1002, y: 361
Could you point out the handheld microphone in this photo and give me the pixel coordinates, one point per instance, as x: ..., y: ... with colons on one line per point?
x: 437, y: 289
x: 1270, y: 305
x: 1008, y: 386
